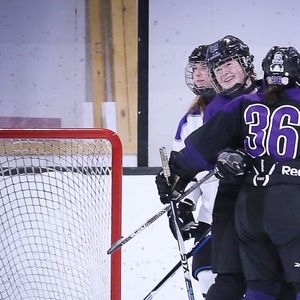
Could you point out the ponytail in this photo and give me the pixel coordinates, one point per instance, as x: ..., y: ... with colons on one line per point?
x: 273, y: 94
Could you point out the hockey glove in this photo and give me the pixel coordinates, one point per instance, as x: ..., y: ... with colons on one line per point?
x: 163, y: 187
x: 231, y: 163
x: 173, y: 186
x: 186, y: 221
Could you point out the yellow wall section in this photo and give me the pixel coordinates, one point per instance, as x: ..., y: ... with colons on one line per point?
x: 123, y: 46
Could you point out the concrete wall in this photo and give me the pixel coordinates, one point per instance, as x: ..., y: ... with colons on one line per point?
x: 43, y: 56
x: 177, y: 26
x: 43, y: 61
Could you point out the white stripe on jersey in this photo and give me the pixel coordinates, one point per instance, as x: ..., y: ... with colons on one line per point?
x: 208, y: 190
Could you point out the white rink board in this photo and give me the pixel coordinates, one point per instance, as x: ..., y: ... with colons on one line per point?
x: 149, y: 256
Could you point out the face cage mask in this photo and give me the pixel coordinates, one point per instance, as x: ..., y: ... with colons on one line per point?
x: 205, y: 91
x: 238, y: 88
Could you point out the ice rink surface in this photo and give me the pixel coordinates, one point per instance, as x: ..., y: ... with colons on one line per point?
x: 151, y: 254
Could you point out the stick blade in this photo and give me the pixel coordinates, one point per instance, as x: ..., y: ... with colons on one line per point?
x: 148, y: 297
x: 114, y: 247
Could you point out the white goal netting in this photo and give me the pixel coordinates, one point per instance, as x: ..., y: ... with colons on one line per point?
x: 56, y: 219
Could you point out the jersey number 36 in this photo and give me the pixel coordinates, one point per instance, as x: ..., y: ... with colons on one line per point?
x: 272, y: 133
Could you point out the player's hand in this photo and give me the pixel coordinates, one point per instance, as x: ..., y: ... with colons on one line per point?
x: 172, y: 187
x: 163, y: 188
x: 231, y: 163
x: 186, y: 221
x: 166, y: 190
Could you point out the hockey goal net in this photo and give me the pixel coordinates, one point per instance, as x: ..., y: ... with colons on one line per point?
x: 60, y: 211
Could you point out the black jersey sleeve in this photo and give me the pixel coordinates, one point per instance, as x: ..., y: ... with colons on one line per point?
x: 203, y: 145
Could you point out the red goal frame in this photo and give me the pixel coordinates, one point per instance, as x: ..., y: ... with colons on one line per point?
x: 117, y: 172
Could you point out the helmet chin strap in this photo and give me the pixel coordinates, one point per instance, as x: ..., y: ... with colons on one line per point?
x: 239, y: 89
x: 208, y: 94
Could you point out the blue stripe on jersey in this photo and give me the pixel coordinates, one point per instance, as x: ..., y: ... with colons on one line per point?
x: 293, y: 94
x: 215, y: 106
x: 232, y: 105
x: 183, y: 121
x: 194, y: 158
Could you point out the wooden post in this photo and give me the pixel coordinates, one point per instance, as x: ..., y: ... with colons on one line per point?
x: 113, y: 31
x: 124, y: 44
x: 97, y: 59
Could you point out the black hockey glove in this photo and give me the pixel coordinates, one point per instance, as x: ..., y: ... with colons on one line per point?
x: 231, y: 163
x: 165, y: 189
x: 186, y: 221
x: 173, y: 186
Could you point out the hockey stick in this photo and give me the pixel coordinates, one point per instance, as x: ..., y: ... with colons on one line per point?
x: 202, y: 241
x: 180, y: 241
x: 123, y: 240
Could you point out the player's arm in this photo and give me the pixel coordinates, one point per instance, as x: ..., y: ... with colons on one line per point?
x: 222, y: 131
x: 202, y: 148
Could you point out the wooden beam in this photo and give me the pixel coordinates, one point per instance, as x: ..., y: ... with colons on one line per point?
x: 124, y: 45
x: 97, y: 59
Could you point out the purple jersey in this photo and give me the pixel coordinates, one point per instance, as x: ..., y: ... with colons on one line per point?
x: 215, y: 106
x: 220, y: 101
x: 248, y: 122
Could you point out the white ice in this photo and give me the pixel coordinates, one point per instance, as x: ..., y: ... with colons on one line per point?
x: 149, y: 256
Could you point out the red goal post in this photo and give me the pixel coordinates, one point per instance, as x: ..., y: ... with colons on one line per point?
x: 61, y: 207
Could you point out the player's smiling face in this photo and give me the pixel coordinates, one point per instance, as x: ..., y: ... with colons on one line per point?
x: 200, y: 76
x: 229, y: 74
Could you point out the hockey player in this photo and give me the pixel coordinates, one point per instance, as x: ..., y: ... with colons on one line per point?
x: 267, y: 124
x: 198, y: 80
x: 232, y: 73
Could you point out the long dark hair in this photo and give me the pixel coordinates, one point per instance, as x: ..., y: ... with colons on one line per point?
x: 273, y: 94
x: 281, y: 68
x: 199, y: 104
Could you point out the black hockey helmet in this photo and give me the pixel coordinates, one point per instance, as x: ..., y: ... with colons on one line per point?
x: 281, y: 67
x: 230, y: 48
x: 198, y: 56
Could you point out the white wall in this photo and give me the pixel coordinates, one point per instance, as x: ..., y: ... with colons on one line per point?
x: 178, y: 26
x: 43, y: 55
x: 43, y: 60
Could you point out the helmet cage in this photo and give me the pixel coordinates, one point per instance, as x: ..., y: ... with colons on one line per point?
x: 230, y: 48
x: 239, y: 87
x: 189, y: 79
